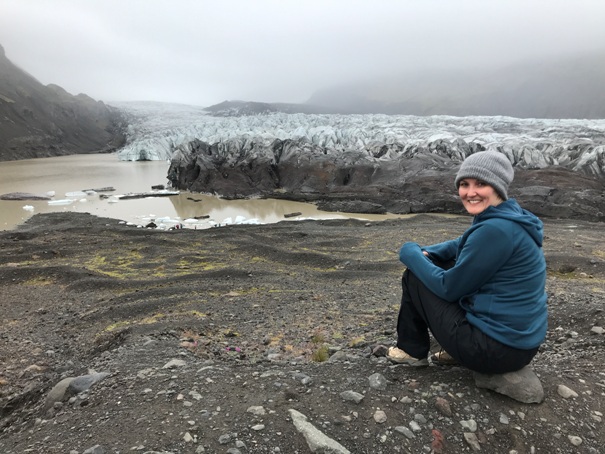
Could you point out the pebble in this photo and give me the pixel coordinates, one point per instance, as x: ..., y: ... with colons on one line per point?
x: 472, y: 441
x: 575, y: 440
x: 225, y: 438
x: 415, y: 426
x: 97, y: 449
x: 443, y: 406
x: 256, y: 410
x: 378, y: 381
x: 352, y: 396
x: 471, y: 425
x: 597, y: 329
x: 566, y: 392
x: 258, y: 427
x: 405, y: 431
x: 174, y: 363
x: 195, y: 395
x: 419, y: 418
x: 380, y: 416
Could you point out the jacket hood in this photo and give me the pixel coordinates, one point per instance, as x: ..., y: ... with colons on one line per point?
x: 512, y: 211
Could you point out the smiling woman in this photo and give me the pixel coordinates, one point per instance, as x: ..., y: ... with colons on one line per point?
x: 483, y: 181
x: 482, y: 295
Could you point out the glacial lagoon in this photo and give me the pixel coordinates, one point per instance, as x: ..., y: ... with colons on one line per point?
x: 67, y: 176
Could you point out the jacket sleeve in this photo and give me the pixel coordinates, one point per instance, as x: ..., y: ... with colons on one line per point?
x: 443, y: 251
x: 485, y: 250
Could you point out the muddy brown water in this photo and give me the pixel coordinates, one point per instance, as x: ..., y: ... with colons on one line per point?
x: 66, y: 175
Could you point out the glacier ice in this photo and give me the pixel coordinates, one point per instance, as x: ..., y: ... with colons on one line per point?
x: 157, y: 131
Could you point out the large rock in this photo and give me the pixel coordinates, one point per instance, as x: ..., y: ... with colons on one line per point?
x: 316, y: 440
x: 40, y: 121
x: 522, y: 385
x: 71, y: 386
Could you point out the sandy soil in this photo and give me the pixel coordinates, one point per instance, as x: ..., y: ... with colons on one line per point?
x: 264, y: 319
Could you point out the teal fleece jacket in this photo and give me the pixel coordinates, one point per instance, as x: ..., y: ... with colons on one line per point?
x: 499, y: 277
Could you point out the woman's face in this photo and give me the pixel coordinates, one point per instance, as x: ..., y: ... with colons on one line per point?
x: 477, y: 195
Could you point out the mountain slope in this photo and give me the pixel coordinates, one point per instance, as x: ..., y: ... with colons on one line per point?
x: 570, y: 87
x: 38, y: 120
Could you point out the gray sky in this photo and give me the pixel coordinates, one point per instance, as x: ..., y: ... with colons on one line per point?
x: 207, y: 51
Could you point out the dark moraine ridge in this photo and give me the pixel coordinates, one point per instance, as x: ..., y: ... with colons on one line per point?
x: 418, y: 181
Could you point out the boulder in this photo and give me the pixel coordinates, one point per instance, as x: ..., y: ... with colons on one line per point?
x: 522, y: 385
x: 316, y: 440
x: 72, y: 385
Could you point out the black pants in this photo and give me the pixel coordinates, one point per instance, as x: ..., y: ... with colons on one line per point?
x: 422, y: 310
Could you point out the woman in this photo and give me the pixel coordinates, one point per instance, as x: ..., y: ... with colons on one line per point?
x: 482, y: 295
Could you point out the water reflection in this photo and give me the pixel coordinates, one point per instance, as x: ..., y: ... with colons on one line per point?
x: 79, y: 172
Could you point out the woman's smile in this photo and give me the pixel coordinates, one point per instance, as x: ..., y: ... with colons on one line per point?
x: 477, y: 196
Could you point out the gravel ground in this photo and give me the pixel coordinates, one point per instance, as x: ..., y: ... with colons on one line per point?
x: 116, y: 339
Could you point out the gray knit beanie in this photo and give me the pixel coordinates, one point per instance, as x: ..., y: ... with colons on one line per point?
x: 492, y: 167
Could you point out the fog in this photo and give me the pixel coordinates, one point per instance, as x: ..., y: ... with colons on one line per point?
x: 204, y: 52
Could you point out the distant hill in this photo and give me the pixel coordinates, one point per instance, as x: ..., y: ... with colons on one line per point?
x: 572, y: 87
x: 240, y: 108
x: 40, y: 121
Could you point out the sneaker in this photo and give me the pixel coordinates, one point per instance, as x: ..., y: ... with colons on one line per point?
x: 398, y: 356
x: 443, y: 358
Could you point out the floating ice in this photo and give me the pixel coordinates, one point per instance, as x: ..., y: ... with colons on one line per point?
x: 28, y: 208
x: 61, y: 202
x: 75, y: 194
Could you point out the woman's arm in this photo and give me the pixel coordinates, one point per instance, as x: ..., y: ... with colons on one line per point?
x: 443, y: 252
x: 485, y: 250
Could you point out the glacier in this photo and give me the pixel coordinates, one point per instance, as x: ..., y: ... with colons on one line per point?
x: 156, y: 131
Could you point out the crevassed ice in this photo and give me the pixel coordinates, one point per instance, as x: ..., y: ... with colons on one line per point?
x: 157, y: 130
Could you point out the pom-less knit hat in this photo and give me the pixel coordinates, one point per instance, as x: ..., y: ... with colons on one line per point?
x: 492, y: 167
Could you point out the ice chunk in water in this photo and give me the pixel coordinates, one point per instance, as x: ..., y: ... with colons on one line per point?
x: 60, y: 202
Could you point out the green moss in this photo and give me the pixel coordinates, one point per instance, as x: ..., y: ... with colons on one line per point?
x: 318, y: 338
x: 356, y: 341
x: 320, y: 355
x: 150, y: 320
x: 117, y: 325
x: 37, y: 281
x: 198, y: 265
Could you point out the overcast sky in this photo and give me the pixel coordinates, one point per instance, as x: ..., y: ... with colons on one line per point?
x: 207, y: 51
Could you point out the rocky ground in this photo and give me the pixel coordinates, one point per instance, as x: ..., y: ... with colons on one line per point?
x: 219, y: 341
